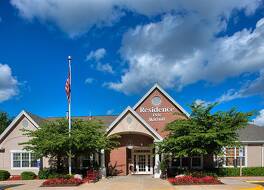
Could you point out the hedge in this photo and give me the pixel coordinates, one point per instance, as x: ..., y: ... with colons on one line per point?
x: 4, y: 175
x: 220, y: 172
x: 247, y: 171
x: 28, y: 175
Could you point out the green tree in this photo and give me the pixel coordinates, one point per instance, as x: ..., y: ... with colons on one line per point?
x: 204, y: 133
x: 5, y: 120
x: 52, y: 139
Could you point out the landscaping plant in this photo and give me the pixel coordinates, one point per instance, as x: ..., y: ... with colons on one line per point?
x: 4, y: 175
x: 28, y: 175
x: 190, y: 180
x: 62, y: 182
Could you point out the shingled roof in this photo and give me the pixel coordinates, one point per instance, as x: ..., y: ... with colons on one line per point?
x: 106, y: 119
x: 39, y: 120
x: 251, y: 133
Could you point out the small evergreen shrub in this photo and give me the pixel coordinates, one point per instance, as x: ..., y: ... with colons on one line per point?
x: 4, y: 175
x: 28, y: 175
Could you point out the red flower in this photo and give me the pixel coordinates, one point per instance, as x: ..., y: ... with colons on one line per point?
x: 61, y: 181
x: 186, y: 180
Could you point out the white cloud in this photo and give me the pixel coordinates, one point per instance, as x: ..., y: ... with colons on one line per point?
x: 96, y: 55
x: 259, y: 120
x: 89, y: 80
x: 110, y: 112
x: 76, y: 18
x: 201, y: 102
x: 181, y: 50
x: 8, y: 83
x: 104, y: 67
x: 251, y: 88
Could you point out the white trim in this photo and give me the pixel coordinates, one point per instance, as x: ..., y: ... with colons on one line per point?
x: 166, y: 94
x: 262, y: 154
x: 262, y: 141
x: 246, y: 155
x: 22, y: 168
x: 15, y: 121
x: 156, y: 135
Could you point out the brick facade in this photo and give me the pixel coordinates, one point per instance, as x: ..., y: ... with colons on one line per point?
x: 135, y: 132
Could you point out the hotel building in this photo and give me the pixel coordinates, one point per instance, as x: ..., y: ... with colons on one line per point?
x: 139, y: 127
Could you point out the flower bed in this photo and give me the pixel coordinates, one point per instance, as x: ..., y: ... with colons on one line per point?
x: 62, y: 182
x: 189, y: 180
x: 14, y: 177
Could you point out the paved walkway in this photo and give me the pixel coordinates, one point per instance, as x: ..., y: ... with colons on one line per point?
x: 132, y: 183
x: 29, y: 185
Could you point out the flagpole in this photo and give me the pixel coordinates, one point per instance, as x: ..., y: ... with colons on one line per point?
x: 69, y: 117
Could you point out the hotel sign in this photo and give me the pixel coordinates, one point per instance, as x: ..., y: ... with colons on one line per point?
x: 156, y: 112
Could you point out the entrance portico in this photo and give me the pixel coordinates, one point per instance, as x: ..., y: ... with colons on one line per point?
x: 140, y: 128
x: 136, y: 152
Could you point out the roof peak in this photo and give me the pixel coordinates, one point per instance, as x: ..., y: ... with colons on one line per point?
x: 157, y: 86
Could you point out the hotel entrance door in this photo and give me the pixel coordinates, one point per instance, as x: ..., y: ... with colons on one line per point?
x: 142, y: 161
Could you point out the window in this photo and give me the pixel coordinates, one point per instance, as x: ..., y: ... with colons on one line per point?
x: 196, y: 162
x: 185, y: 162
x: 231, y: 157
x: 23, y: 159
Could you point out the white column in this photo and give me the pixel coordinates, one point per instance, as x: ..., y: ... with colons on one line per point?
x: 157, y: 171
x: 102, y: 167
x: 262, y: 155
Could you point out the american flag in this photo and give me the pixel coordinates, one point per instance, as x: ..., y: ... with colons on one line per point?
x: 68, y: 83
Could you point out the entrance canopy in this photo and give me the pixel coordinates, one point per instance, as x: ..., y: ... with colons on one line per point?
x: 130, y: 122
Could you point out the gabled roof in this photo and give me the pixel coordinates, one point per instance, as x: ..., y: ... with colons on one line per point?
x: 17, y: 118
x: 156, y: 86
x: 251, y: 133
x: 148, y: 127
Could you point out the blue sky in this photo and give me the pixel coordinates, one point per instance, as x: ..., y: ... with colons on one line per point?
x: 202, y: 51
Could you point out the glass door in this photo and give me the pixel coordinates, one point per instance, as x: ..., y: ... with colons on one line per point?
x: 141, y: 163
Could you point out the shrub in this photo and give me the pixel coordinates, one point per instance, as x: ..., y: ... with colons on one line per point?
x: 253, y: 171
x: 28, y: 175
x: 62, y: 181
x: 51, y: 174
x: 189, y: 180
x: 221, y: 172
x: 44, y: 173
x: 227, y: 172
x: 4, y: 175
